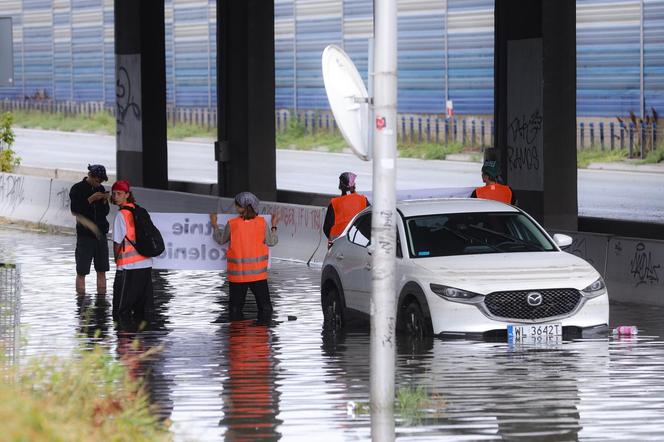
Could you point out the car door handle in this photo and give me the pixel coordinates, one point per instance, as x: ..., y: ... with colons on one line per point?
x: 340, y: 256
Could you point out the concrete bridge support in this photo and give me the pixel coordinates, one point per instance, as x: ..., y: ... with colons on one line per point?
x: 535, y: 106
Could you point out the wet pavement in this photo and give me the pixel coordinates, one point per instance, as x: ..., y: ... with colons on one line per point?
x: 290, y: 381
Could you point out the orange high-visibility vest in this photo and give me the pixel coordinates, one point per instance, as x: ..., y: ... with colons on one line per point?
x: 128, y: 253
x: 496, y: 192
x: 247, y: 255
x: 345, y: 208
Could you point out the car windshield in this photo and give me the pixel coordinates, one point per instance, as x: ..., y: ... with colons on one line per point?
x: 474, y: 233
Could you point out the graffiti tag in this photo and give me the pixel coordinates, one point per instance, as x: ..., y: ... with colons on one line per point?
x: 642, y: 268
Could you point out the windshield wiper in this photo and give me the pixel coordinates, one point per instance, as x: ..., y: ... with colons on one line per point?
x: 508, y: 237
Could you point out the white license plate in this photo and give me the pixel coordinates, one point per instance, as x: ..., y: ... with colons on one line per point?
x: 533, y: 332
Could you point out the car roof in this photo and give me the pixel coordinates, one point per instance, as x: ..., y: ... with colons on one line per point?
x: 432, y: 206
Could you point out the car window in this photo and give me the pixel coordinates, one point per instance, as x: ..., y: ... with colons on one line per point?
x: 474, y: 233
x: 360, y: 232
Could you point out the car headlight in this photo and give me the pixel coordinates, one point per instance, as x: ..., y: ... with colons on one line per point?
x: 456, y: 295
x: 595, y: 289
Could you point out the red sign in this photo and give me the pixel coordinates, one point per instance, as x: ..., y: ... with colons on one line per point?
x: 380, y: 123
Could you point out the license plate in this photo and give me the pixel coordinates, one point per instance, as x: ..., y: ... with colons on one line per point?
x: 534, y: 332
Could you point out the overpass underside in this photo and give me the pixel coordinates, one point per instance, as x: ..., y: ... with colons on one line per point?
x: 535, y: 101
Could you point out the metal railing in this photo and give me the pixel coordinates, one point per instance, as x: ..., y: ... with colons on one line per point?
x: 637, y: 137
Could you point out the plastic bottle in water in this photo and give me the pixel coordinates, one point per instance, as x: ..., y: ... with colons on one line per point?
x: 626, y: 330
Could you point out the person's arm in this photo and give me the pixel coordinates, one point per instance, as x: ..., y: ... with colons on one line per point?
x: 329, y: 221
x: 119, y: 232
x: 271, y: 238
x: 218, y: 235
x: 76, y: 200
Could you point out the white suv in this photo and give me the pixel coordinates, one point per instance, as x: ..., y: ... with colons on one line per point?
x: 468, y: 266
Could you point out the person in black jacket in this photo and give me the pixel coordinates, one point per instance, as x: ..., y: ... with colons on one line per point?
x: 89, y: 204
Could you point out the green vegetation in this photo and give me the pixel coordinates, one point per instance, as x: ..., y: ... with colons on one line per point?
x: 297, y: 137
x: 91, y: 397
x: 101, y: 122
x: 410, y: 404
x: 596, y: 155
x: 654, y: 156
x: 180, y: 131
x: 8, y: 158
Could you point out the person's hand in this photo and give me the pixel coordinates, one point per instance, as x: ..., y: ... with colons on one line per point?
x: 275, y: 219
x: 213, y: 220
x: 97, y: 196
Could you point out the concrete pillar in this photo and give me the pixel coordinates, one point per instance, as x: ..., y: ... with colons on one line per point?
x: 140, y: 72
x: 535, y: 106
x: 246, y: 151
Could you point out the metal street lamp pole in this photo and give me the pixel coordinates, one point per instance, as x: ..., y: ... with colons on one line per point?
x: 383, y: 221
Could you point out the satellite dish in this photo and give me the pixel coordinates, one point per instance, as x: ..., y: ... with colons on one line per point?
x: 348, y: 99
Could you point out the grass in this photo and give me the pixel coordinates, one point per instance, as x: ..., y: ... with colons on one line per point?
x: 410, y: 403
x: 296, y: 137
x: 101, y: 123
x: 654, y: 156
x: 596, y: 155
x: 90, y: 397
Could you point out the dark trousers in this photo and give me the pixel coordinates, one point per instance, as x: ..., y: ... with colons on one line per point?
x: 237, y: 292
x: 132, y: 295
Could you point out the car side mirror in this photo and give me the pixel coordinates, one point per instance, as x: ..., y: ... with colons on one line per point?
x: 562, y: 241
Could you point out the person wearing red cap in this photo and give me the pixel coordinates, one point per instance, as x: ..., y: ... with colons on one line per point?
x: 343, y: 208
x: 89, y: 204
x: 132, y: 288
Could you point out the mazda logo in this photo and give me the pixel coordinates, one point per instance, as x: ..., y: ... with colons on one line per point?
x: 534, y: 299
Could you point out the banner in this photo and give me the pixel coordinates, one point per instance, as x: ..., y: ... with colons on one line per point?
x: 189, y: 243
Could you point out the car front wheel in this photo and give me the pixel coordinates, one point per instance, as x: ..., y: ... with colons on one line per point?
x: 413, y: 322
x: 333, y: 310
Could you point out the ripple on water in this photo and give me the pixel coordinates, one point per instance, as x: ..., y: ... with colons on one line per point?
x: 289, y: 380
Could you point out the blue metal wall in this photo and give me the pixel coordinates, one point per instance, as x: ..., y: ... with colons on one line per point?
x: 65, y: 47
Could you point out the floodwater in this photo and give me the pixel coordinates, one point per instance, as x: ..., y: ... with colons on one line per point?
x: 290, y: 381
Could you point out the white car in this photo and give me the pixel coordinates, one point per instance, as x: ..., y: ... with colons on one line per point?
x: 468, y: 266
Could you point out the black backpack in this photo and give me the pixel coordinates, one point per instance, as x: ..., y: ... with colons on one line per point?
x: 149, y: 241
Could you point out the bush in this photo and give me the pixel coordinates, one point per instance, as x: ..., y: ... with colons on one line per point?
x: 8, y: 158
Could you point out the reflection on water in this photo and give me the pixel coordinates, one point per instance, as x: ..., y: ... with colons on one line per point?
x: 217, y: 380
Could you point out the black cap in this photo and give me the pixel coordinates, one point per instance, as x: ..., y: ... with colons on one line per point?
x: 98, y: 171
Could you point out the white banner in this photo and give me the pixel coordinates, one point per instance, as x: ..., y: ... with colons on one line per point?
x: 189, y: 243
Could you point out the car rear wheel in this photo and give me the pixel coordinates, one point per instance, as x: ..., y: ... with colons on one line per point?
x: 333, y: 310
x: 413, y: 322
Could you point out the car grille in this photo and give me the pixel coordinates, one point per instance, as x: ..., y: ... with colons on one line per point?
x: 514, y: 305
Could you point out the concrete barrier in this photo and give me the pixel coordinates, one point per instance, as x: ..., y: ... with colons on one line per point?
x: 636, y: 270
x: 590, y: 246
x: 23, y: 198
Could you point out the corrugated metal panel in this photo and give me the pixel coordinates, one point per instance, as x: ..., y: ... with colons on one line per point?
x: 191, y: 66
x: 607, y: 57
x: 37, y: 46
x: 654, y: 55
x: 470, y: 55
x: 62, y: 51
x: 318, y: 24
x: 421, y: 57
x: 284, y: 54
x: 87, y: 50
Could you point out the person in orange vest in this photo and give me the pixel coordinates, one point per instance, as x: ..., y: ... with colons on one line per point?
x: 343, y: 208
x: 492, y: 189
x: 132, y: 288
x: 247, y: 255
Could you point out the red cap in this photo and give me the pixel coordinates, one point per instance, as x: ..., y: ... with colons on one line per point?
x: 121, y: 185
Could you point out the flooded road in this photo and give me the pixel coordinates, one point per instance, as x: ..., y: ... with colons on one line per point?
x: 242, y: 381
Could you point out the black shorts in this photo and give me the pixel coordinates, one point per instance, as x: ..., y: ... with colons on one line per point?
x: 89, y: 249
